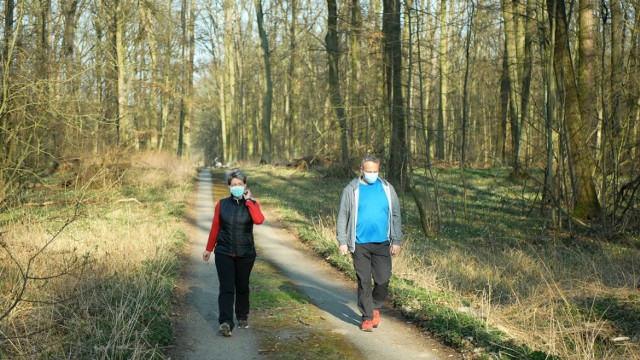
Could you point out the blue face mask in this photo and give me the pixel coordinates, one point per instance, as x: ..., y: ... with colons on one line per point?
x: 237, y: 191
x: 370, y: 178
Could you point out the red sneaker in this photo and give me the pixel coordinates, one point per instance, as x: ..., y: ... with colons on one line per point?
x: 376, y: 318
x: 367, y: 325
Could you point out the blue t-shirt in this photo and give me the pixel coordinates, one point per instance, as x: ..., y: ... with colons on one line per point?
x: 373, y: 214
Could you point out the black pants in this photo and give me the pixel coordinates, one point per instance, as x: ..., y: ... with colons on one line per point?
x: 233, y: 275
x: 372, y: 260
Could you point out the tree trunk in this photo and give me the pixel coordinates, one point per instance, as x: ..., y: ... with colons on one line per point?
x: 291, y: 84
x: 586, y: 206
x: 191, y: 44
x: 392, y: 33
x: 186, y: 19
x: 511, y: 40
x: 99, y: 84
x: 465, y: 87
x: 355, y: 99
x: 125, y: 134
x: 408, y: 52
x: 549, y: 196
x: 501, y: 133
x: 530, y: 29
x: 617, y: 65
x: 612, y: 123
x: 268, y: 87
x: 146, y: 18
x: 7, y: 140
x: 337, y: 102
x: 424, y: 203
x: 444, y: 84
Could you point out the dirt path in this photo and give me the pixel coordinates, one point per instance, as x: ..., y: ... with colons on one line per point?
x: 196, y: 318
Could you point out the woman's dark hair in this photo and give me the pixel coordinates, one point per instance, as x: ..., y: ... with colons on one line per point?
x: 236, y: 174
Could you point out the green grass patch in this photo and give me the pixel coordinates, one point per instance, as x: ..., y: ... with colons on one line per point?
x: 289, y: 325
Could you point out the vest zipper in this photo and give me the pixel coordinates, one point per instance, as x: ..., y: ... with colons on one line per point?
x: 234, y: 240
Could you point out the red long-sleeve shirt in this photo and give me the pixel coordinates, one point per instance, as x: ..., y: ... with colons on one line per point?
x: 254, y: 212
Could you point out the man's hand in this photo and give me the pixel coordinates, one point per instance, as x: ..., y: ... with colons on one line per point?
x: 206, y: 255
x: 344, y: 250
x: 395, y: 249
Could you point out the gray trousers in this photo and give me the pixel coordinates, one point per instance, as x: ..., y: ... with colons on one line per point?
x: 372, y: 260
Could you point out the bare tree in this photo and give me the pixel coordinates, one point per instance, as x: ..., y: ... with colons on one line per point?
x: 392, y: 31
x: 268, y: 87
x: 291, y: 84
x: 337, y: 101
x: 586, y: 204
x: 187, y: 19
x: 444, y: 82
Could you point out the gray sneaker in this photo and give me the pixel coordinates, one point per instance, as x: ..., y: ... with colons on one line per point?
x: 243, y: 324
x: 225, y: 330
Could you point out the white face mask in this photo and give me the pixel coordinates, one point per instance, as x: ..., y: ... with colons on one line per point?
x: 370, y: 178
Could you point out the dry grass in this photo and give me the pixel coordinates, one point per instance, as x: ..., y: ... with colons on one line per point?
x: 90, y: 275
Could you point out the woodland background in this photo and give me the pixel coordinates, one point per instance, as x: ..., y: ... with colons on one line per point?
x: 548, y: 88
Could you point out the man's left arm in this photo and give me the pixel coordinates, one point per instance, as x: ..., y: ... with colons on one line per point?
x: 396, y: 222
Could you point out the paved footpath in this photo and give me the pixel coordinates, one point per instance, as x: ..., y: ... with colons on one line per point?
x: 196, y: 328
x: 196, y: 322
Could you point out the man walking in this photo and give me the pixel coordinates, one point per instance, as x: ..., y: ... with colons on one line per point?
x: 369, y: 226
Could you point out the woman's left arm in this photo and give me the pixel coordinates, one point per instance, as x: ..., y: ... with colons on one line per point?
x: 255, y: 212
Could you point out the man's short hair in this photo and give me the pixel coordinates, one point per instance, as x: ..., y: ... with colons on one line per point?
x: 370, y: 157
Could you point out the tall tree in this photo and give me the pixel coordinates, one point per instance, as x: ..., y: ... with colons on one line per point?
x: 549, y: 196
x: 355, y: 81
x: 392, y: 33
x: 187, y: 20
x: 586, y: 206
x: 444, y: 82
x: 616, y: 108
x: 337, y: 101
x: 267, y: 99
x: 124, y: 131
x: 511, y: 22
x: 291, y: 90
x: 501, y: 133
x: 530, y: 28
x: 148, y: 23
x: 7, y: 137
x: 465, y: 87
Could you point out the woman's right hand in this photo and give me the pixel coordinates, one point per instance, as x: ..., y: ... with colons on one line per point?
x: 206, y: 255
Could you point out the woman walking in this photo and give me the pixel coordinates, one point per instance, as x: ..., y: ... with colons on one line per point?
x: 231, y: 241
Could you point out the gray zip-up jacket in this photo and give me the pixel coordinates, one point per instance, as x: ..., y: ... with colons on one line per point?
x: 348, y: 214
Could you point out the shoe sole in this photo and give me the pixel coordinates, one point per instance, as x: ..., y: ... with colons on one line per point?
x: 379, y: 322
x: 226, y: 331
x: 243, y: 324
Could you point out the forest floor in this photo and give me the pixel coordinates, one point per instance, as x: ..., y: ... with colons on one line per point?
x: 327, y: 325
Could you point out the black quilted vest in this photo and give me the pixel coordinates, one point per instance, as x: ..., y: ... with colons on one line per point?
x: 236, y: 229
